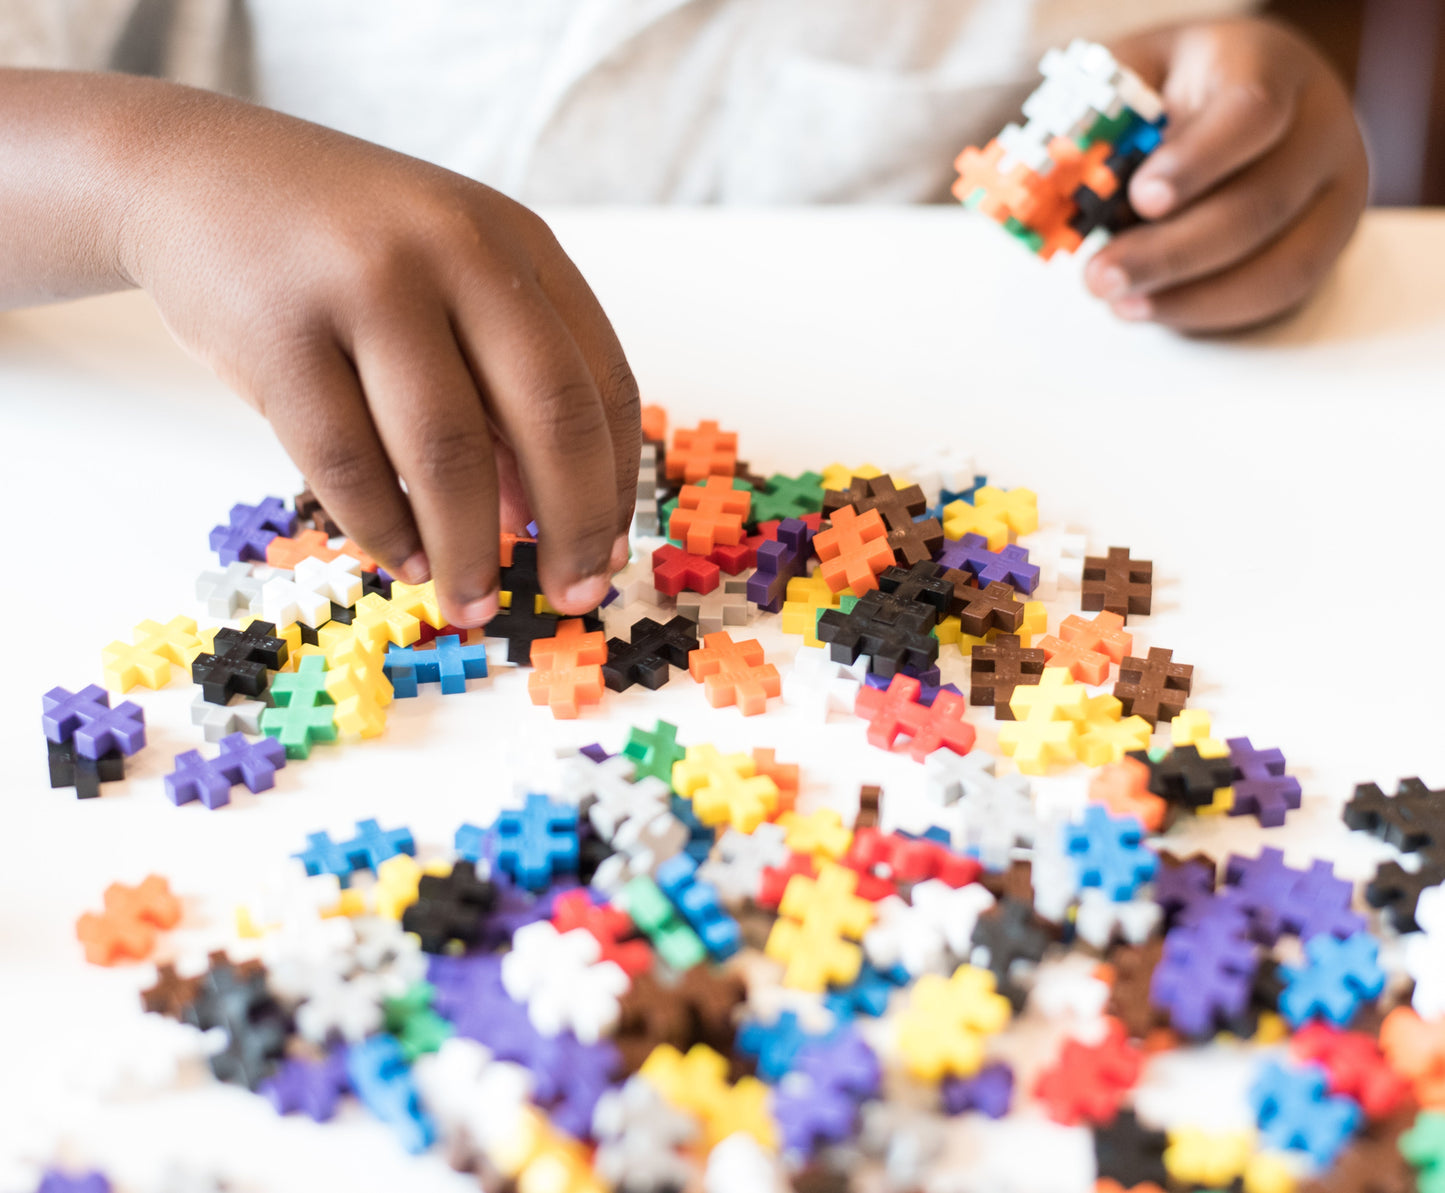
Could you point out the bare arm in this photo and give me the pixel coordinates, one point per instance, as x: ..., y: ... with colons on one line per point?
x: 425, y: 351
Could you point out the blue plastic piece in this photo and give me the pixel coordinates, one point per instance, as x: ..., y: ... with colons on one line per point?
x: 448, y: 663
x: 700, y: 837
x: 777, y: 1044
x: 868, y: 995
x: 1295, y: 1114
x: 698, y: 901
x: 371, y: 846
x: 382, y: 1081
x: 474, y: 843
x: 1110, y: 852
x: 536, y: 842
x: 1340, y: 974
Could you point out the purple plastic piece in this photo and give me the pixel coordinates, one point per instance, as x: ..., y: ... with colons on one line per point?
x: 310, y: 1087
x: 251, y: 529
x: 385, y: 577
x: 240, y: 761
x: 817, y: 1102
x: 55, y: 1181
x: 612, y: 595
x: 1280, y: 899
x: 927, y: 693
x: 1010, y: 566
x: 779, y: 560
x: 1261, y: 787
x: 87, y: 719
x: 531, y: 529
x: 989, y: 1091
x: 843, y: 1061
x: 595, y: 752
x: 1206, y: 970
x: 1178, y: 888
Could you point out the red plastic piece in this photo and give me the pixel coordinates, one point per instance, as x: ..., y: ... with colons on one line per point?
x: 1088, y: 1081
x: 673, y: 570
x: 909, y: 859
x: 126, y: 929
x: 776, y: 878
x: 610, y: 926
x: 734, y: 557
x: 1355, y: 1064
x: 896, y: 712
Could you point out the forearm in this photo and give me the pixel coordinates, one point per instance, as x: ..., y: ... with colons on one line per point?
x: 75, y: 150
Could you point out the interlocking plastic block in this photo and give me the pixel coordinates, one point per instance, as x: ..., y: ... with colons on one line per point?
x: 994, y: 513
x: 818, y: 1102
x: 854, y: 550
x: 1204, y: 975
x: 568, y: 669
x: 1423, y: 1145
x: 784, y: 497
x: 821, y: 920
x: 893, y: 632
x: 379, y: 1074
x: 536, y: 842
x: 371, y: 846
x: 698, y: 902
x: 1117, y: 583
x: 674, y: 570
x: 776, y: 1043
x: 126, y: 929
x: 211, y: 780
x: 701, y: 452
x: 1213, y: 1159
x: 942, y: 1031
x: 998, y: 668
x: 1088, y: 1082
x: 898, y: 712
x: 448, y: 664
x: 303, y: 711
x: 1046, y: 721
x: 250, y: 529
x: 1261, y: 787
x: 734, y: 673
x: 1010, y: 566
x: 987, y: 1092
x: 697, y: 1083
x: 1123, y: 788
x: 779, y: 561
x: 86, y: 721
x: 450, y: 907
x: 1355, y: 1065
x: 654, y: 751
x: 1295, y: 1113
x: 610, y: 926
x: 1412, y: 820
x: 147, y: 660
x: 310, y: 1087
x: 55, y: 1180
x: 656, y: 917
x: 1339, y: 975
x: 1155, y: 687
x: 1110, y: 852
x: 1130, y: 1154
x: 229, y: 593
x: 807, y: 598
x: 646, y: 658
x: 68, y: 769
x: 1185, y: 776
x: 1279, y: 899
x: 725, y: 788
x: 1009, y: 938
x: 913, y: 534
x: 709, y: 515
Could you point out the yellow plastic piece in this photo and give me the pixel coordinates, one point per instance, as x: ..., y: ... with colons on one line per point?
x: 807, y: 595
x: 329, y: 638
x: 821, y: 834
x: 697, y: 1083
x: 820, y: 920
x: 541, y: 1159
x: 420, y: 600
x: 725, y: 788
x: 361, y: 693
x: 1047, y: 722
x: 1201, y: 1158
x: 994, y: 513
x: 1106, y: 735
x: 397, y: 881
x: 148, y: 657
x: 947, y: 1020
x: 1192, y: 728
x: 1269, y: 1172
x: 378, y: 620
x: 1271, y: 1029
x: 837, y: 476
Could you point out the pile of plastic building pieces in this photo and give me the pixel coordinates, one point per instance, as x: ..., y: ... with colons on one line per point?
x: 1065, y: 172
x: 656, y: 970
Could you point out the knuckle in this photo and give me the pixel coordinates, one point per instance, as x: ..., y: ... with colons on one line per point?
x: 621, y: 393
x: 448, y: 457
x: 569, y: 416
x: 338, y: 467
x: 1267, y: 211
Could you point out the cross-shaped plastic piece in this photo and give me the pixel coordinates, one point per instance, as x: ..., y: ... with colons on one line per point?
x: 709, y: 515
x: 725, y: 788
x: 1118, y: 583
x: 448, y: 664
x: 854, y: 550
x: 126, y: 929
x: 230, y: 592
x: 942, y: 1031
x: 821, y: 919
x: 1010, y: 566
x: 734, y: 673
x: 897, y: 712
x: 537, y: 842
x: 808, y: 596
x: 87, y: 719
x: 239, y: 761
x: 147, y: 660
x: 701, y: 452
x: 250, y: 529
x: 303, y: 712
x: 994, y: 513
x: 655, y: 751
x: 377, y: 620
x: 1045, y: 728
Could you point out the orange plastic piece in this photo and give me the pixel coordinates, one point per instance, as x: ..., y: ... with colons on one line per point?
x: 702, y: 452
x: 654, y: 423
x: 508, y: 541
x: 854, y: 550
x: 568, y: 669
x: 126, y: 929
x: 1087, y: 666
x: 283, y: 552
x: 1123, y: 788
x: 368, y: 564
x: 1107, y: 1184
x: 1104, y: 633
x: 734, y: 673
x: 1415, y: 1048
x: 785, y: 776
x: 709, y: 515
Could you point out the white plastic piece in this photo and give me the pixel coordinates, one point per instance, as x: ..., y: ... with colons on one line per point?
x: 1059, y: 555
x: 638, y: 1136
x: 820, y: 686
x: 642, y: 844
x: 466, y: 1090
x: 221, y: 720
x: 902, y: 936
x: 1100, y: 920
x: 947, y: 775
x: 284, y: 602
x: 994, y: 817
x: 740, y: 1165
x: 1425, y: 953
x: 563, y: 981
x: 954, y: 911
x: 739, y: 859
x: 231, y: 593
x: 1026, y: 145
x: 336, y: 579
x: 349, y: 1007
x: 725, y: 605
x: 941, y: 467
x: 1068, y: 989
x: 1054, y: 874
x: 623, y: 801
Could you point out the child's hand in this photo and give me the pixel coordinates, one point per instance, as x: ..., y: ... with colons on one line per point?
x: 1256, y: 189
x: 396, y: 321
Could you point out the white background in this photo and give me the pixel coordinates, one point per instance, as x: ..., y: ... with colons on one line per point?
x: 1286, y: 486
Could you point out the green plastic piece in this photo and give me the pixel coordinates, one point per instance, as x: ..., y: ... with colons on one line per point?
x: 1024, y: 233
x: 788, y: 497
x: 1423, y: 1145
x: 656, y: 918
x: 416, y: 1026
x: 1106, y: 128
x: 304, y: 713
x: 654, y: 751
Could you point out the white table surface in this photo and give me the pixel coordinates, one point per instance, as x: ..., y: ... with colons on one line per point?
x: 1285, y: 485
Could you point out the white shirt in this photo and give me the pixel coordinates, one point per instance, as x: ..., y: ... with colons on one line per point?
x: 581, y: 101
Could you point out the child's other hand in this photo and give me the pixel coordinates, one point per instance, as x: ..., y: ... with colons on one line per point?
x: 397, y: 323
x: 1256, y: 189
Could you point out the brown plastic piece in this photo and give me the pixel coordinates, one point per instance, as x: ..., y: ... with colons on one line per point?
x: 992, y: 608
x: 1371, y: 1163
x: 912, y: 542
x: 1133, y: 967
x: 1000, y: 667
x: 1117, y: 583
x: 869, y: 797
x: 1154, y: 688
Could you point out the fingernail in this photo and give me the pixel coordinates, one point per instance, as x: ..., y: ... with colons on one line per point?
x: 588, y: 593
x: 479, y: 612
x: 1110, y: 282
x: 416, y: 570
x: 1152, y: 195
x: 1135, y: 309
x: 621, y: 552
